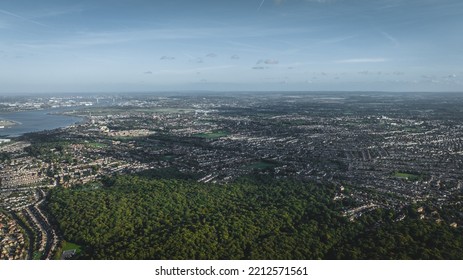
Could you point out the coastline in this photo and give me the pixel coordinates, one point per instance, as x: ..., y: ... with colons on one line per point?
x: 5, y: 123
x: 83, y: 119
x: 16, y: 124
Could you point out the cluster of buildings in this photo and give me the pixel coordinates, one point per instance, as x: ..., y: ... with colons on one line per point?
x: 26, y: 103
x: 390, y: 151
x: 382, y: 150
x: 12, y: 241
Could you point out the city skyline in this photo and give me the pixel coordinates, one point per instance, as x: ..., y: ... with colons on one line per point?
x: 307, y: 45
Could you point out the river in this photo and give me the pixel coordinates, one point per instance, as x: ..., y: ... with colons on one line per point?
x: 37, y: 120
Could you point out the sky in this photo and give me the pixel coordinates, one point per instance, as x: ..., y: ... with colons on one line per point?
x: 230, y: 45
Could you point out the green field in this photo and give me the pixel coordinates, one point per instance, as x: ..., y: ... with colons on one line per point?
x: 168, y: 157
x: 97, y: 145
x: 71, y: 246
x: 66, y: 246
x: 212, y: 135
x: 407, y: 176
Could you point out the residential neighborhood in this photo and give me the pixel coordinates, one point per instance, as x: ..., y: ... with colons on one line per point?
x: 379, y: 155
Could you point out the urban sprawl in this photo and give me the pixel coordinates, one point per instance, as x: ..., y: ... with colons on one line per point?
x: 389, y: 150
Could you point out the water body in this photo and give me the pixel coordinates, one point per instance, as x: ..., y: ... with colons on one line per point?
x: 34, y: 121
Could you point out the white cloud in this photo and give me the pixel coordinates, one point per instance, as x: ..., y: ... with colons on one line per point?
x: 278, y: 2
x: 260, y: 6
x: 393, y: 40
x: 56, y: 12
x: 195, y: 70
x: 197, y: 60
x: 5, y: 12
x: 362, y: 60
x: 267, y: 61
x: 84, y: 39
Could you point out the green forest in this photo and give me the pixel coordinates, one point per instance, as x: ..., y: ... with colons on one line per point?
x: 135, y: 217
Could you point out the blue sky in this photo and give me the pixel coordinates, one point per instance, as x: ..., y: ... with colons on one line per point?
x: 141, y: 45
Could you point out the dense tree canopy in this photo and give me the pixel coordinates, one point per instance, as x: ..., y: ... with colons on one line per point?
x: 131, y: 217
